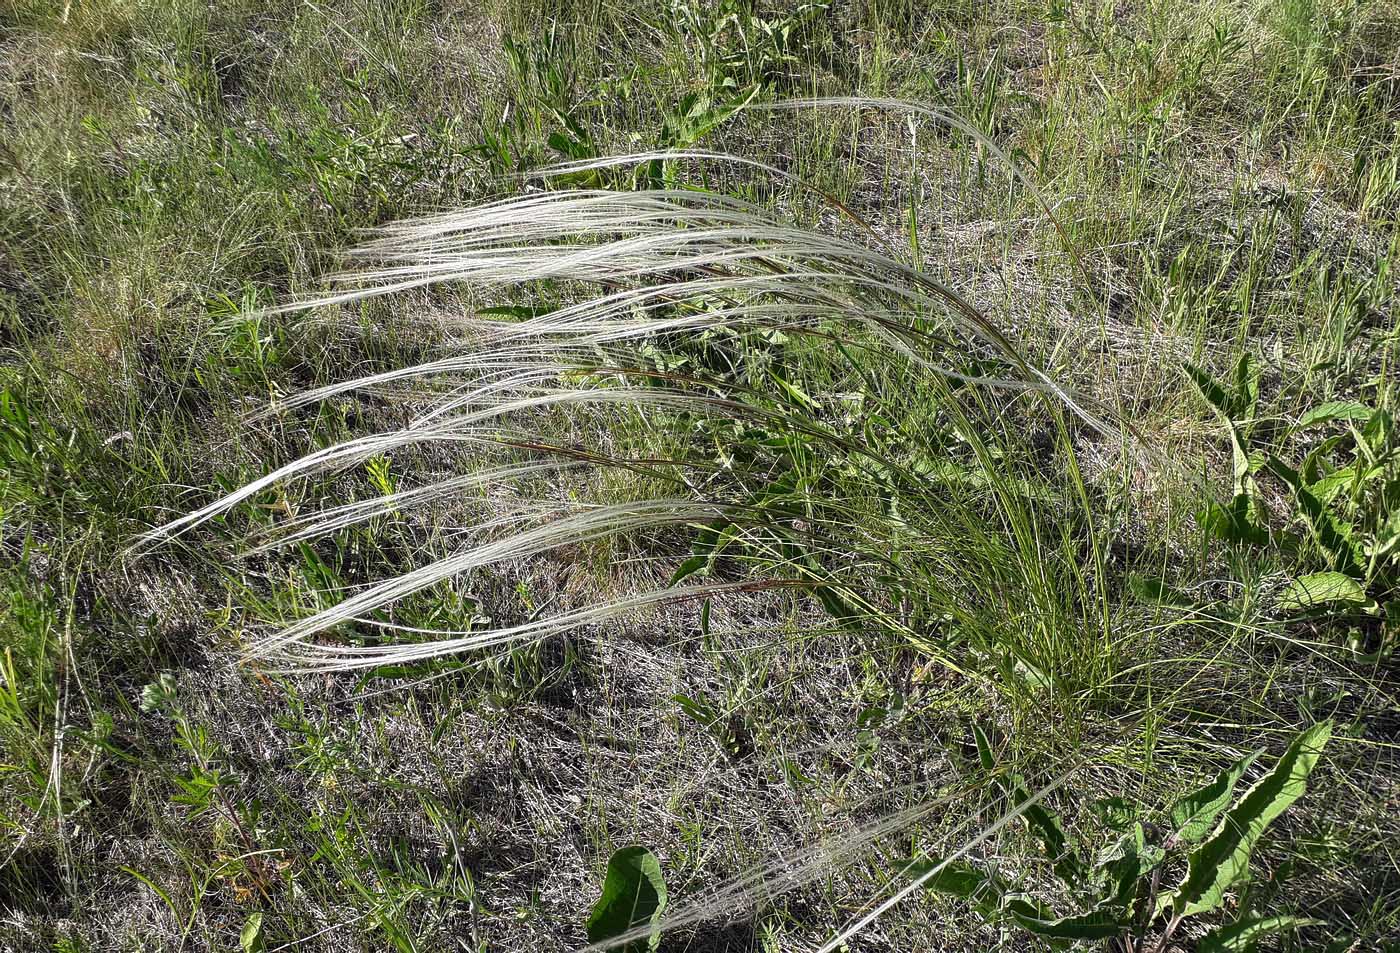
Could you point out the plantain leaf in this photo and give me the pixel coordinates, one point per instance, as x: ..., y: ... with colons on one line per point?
x: 1334, y: 538
x: 1212, y: 390
x: 710, y: 541
x: 1320, y: 589
x: 1222, y: 861
x: 1240, y: 937
x: 961, y: 879
x: 698, y: 115
x: 250, y: 938
x: 1095, y: 925
x: 1334, y: 410
x: 519, y: 312
x: 799, y: 397
x: 1193, y: 815
x: 634, y: 895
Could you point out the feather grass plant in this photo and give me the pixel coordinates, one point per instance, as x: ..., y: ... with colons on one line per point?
x: 665, y: 267
x: 815, y: 406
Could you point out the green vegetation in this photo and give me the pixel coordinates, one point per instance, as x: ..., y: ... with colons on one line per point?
x: 634, y: 897
x: 445, y: 445
x: 1123, y: 882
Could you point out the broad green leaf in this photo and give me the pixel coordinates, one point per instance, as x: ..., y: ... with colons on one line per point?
x: 1045, y: 825
x: 1334, y: 410
x: 1334, y: 538
x: 961, y: 879
x: 1193, y: 815
x: 984, y: 748
x: 1212, y: 390
x: 799, y: 396
x: 1123, y: 864
x: 1243, y: 464
x: 1234, y: 523
x: 1148, y: 589
x: 710, y: 541
x: 1030, y: 673
x: 1234, y: 405
x: 634, y: 895
x: 1240, y: 937
x: 517, y: 311
x: 702, y: 713
x: 570, y: 145
x: 1246, y: 396
x: 1326, y: 488
x: 697, y: 116
x: 958, y: 878
x: 689, y: 568
x: 250, y: 939
x: 1094, y: 925
x: 837, y: 606
x: 1388, y: 536
x: 1222, y: 861
x: 708, y: 538
x: 1114, y: 813
x: 1320, y: 589
x: 1379, y: 432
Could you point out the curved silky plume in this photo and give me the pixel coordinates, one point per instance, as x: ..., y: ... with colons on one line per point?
x: 664, y: 232
x: 570, y: 530
x: 301, y: 528
x: 461, y: 428
x: 338, y: 457
x: 667, y: 263
x: 298, y: 654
